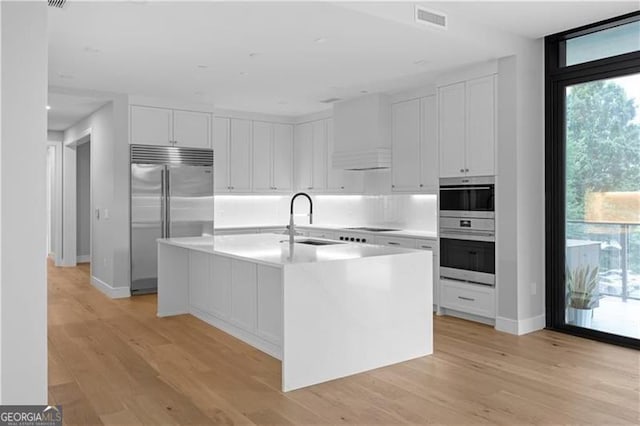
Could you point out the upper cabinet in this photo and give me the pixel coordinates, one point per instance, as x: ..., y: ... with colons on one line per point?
x: 163, y: 126
x: 240, y: 155
x: 220, y: 144
x: 272, y: 156
x: 310, y: 153
x: 466, y: 117
x: 414, y: 145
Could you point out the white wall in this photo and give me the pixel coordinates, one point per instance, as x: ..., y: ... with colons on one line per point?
x: 417, y: 212
x: 110, y: 188
x: 23, y: 291
x: 83, y: 200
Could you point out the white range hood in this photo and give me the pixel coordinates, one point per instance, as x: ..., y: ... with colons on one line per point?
x: 362, y: 133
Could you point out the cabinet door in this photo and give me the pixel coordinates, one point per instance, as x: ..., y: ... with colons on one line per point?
x: 221, y: 154
x: 480, y: 126
x: 303, y: 154
x: 199, y: 280
x: 151, y: 126
x: 335, y: 177
x: 451, y: 120
x: 191, y: 129
x: 429, y: 144
x: 396, y: 241
x: 319, y: 132
x: 262, y: 161
x: 405, y: 167
x: 240, y: 155
x: 282, y: 157
x: 243, y: 294
x: 220, y: 295
x: 269, y: 303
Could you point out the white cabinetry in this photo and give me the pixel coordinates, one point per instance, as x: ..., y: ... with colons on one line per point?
x: 310, y: 151
x: 432, y: 246
x: 163, y: 126
x: 395, y: 241
x: 469, y: 298
x: 269, y: 304
x: 244, y: 294
x: 414, y: 145
x: 199, y: 280
x: 272, y: 156
x: 221, y: 154
x: 319, y: 136
x: 232, y: 154
x: 220, y: 282
x: 466, y: 116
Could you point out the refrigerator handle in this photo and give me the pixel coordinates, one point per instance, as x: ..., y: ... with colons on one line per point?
x: 167, y: 208
x: 163, y: 207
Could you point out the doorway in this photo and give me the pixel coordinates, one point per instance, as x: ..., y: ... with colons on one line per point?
x: 593, y: 181
x: 83, y: 202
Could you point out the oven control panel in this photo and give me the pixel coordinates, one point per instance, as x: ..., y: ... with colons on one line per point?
x: 354, y: 238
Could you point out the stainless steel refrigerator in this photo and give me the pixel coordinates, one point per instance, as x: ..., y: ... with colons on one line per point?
x: 171, y: 196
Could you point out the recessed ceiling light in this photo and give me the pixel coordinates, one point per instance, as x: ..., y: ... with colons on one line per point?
x: 48, y: 107
x: 198, y: 93
x: 364, y: 91
x: 253, y: 54
x: 243, y: 73
x: 320, y: 40
x: 90, y: 49
x: 283, y: 103
x: 202, y: 66
x: 420, y: 62
x: 65, y: 75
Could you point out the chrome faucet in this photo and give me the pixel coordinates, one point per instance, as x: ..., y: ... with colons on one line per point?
x: 292, y: 231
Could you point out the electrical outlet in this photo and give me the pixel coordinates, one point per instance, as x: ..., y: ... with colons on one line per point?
x: 534, y: 289
x: 106, y: 214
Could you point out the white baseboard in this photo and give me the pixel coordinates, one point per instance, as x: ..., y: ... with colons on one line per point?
x: 112, y: 292
x: 520, y: 327
x: 84, y: 258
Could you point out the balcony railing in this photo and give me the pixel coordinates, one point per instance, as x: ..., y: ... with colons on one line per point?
x: 619, y: 255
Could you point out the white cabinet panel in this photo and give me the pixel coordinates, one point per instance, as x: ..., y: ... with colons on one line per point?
x: 282, y: 157
x: 319, y: 135
x: 429, y: 143
x: 303, y: 153
x: 220, y: 297
x: 151, y: 126
x: 269, y: 303
x: 396, y: 241
x: 199, y: 280
x: 240, y: 155
x: 322, y: 234
x: 432, y: 246
x: 452, y: 130
x: 480, y: 127
x: 243, y: 294
x: 469, y: 298
x: 405, y: 171
x: 221, y: 154
x: 191, y: 129
x: 262, y: 160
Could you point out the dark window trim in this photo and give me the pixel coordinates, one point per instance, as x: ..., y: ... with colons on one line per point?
x: 556, y: 79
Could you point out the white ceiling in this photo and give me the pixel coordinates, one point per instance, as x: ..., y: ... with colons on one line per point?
x: 196, y: 51
x: 66, y: 110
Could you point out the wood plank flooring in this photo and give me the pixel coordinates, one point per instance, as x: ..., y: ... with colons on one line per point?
x: 114, y: 362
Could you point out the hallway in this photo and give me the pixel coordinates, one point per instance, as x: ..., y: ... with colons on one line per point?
x: 115, y: 362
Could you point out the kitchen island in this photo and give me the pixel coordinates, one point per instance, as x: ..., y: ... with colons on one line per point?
x: 326, y: 311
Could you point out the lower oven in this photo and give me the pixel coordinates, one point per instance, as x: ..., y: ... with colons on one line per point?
x: 467, y: 250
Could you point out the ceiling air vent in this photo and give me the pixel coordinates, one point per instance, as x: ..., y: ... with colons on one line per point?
x: 330, y: 100
x: 429, y: 17
x: 57, y: 3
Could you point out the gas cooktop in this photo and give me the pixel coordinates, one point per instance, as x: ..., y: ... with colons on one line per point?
x: 366, y: 228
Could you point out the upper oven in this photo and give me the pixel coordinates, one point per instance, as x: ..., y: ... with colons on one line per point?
x: 467, y: 197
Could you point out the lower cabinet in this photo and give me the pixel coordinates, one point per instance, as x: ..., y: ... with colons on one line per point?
x: 432, y: 245
x: 244, y: 294
x: 473, y: 299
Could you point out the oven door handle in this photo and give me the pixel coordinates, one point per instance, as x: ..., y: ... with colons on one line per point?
x: 457, y: 188
x: 477, y: 236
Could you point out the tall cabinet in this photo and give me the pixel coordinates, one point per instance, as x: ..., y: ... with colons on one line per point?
x: 467, y: 116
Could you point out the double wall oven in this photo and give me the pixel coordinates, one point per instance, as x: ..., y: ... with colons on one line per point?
x: 467, y: 230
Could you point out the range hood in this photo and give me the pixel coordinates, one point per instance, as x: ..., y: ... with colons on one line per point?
x: 362, y: 133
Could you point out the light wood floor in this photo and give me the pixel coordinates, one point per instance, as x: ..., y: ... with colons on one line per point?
x: 115, y: 362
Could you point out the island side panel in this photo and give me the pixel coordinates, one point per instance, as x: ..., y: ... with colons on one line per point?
x: 173, y: 280
x: 346, y: 317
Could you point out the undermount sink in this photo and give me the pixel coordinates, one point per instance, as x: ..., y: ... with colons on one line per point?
x: 317, y: 242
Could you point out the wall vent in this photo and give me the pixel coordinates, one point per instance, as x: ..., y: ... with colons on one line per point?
x: 431, y: 18
x: 57, y: 3
x: 330, y: 100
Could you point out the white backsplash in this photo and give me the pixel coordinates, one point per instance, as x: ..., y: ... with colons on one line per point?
x: 406, y: 211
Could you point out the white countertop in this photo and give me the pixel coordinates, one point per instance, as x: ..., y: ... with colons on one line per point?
x: 273, y: 249
x: 409, y: 233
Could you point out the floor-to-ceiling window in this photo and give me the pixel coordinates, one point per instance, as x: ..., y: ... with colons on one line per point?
x: 593, y: 180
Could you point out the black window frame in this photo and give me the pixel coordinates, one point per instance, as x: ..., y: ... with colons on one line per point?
x: 557, y: 78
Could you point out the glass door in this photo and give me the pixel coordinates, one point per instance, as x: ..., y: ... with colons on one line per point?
x: 602, y: 205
